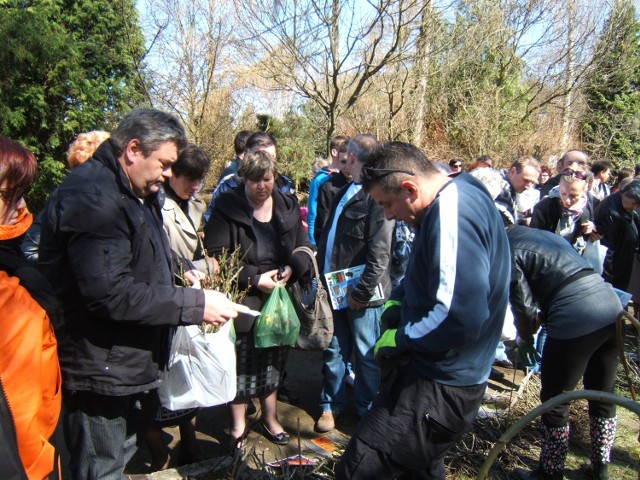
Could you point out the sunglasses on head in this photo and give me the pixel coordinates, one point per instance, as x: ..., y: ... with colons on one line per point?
x: 372, y: 173
x: 572, y: 173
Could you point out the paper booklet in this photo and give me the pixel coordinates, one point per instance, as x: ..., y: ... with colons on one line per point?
x: 341, y: 282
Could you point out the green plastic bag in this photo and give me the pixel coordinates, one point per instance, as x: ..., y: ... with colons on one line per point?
x: 278, y: 324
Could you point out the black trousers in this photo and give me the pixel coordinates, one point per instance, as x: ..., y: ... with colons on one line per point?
x: 592, y: 357
x: 412, y: 424
x: 100, y: 431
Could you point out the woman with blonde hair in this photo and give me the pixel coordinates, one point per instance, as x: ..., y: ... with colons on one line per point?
x: 82, y: 148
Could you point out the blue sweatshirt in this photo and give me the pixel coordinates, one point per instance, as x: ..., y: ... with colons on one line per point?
x: 455, y: 292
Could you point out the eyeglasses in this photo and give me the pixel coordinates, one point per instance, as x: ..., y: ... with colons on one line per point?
x: 457, y: 165
x: 572, y: 173
x: 372, y: 173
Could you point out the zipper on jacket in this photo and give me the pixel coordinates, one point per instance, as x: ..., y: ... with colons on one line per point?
x: 6, y: 412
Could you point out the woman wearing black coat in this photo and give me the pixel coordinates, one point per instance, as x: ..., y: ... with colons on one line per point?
x: 569, y: 211
x: 266, y: 224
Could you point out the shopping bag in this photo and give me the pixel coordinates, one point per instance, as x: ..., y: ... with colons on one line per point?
x: 594, y: 253
x: 202, y: 368
x: 278, y: 323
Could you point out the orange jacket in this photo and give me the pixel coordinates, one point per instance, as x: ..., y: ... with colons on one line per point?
x: 30, y: 374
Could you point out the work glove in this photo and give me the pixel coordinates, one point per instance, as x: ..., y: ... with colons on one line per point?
x: 529, y: 356
x: 390, y: 317
x: 386, y: 346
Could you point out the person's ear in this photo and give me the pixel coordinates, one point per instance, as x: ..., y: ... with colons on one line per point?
x: 133, y: 150
x: 410, y: 187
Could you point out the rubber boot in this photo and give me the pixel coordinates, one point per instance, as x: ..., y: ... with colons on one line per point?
x: 554, y: 449
x: 552, y: 456
x: 603, y: 433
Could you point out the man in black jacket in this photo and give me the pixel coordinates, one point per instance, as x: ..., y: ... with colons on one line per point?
x: 105, y: 253
x: 356, y: 233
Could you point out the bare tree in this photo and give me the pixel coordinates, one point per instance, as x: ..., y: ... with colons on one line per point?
x: 192, y: 66
x: 327, y: 51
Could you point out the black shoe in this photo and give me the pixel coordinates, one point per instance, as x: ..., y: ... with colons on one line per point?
x: 251, y: 408
x: 496, y: 374
x: 287, y: 396
x: 281, y: 438
x: 600, y: 471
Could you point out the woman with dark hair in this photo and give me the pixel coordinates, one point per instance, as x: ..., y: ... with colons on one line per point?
x: 29, y: 369
x: 265, y: 223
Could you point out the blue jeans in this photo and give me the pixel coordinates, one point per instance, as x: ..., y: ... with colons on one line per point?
x: 353, y: 331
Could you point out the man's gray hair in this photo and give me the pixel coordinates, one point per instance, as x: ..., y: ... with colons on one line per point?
x: 632, y: 190
x: 491, y: 179
x: 151, y: 128
x: 363, y: 146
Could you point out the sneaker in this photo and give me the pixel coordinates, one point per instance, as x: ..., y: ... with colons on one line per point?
x: 325, y: 423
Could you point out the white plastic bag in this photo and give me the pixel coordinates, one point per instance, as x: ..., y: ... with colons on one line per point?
x: 202, y: 369
x: 594, y: 253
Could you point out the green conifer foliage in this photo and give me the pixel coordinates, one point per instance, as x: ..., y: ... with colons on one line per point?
x: 611, y: 125
x: 66, y: 67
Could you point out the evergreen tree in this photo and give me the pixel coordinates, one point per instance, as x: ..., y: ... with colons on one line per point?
x: 611, y: 125
x: 66, y: 66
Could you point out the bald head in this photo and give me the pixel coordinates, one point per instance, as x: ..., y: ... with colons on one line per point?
x: 572, y: 157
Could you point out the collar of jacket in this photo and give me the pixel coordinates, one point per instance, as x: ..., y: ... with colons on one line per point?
x: 234, y: 204
x: 107, y: 154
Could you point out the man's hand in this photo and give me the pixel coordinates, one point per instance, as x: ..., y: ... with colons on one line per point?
x: 218, y: 309
x: 356, y: 305
x: 193, y: 277
x: 386, y: 346
x: 390, y: 317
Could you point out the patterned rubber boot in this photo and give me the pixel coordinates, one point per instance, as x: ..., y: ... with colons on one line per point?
x: 555, y: 447
x: 603, y: 433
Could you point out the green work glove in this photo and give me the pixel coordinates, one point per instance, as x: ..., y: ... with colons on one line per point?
x: 529, y: 356
x: 390, y: 317
x: 386, y: 346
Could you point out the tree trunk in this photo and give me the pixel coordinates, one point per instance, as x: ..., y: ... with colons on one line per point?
x: 569, y: 77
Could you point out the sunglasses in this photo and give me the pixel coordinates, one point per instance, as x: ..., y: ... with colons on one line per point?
x: 457, y: 165
x: 372, y: 173
x: 572, y: 173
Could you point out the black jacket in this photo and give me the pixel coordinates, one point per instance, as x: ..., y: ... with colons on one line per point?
x: 105, y: 254
x: 620, y: 235
x: 231, y: 224
x: 363, y: 237
x: 548, y: 212
x: 542, y: 264
x: 326, y: 193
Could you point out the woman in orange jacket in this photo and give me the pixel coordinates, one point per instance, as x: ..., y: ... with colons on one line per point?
x: 30, y: 399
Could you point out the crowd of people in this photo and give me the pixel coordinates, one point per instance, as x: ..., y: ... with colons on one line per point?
x: 93, y: 290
